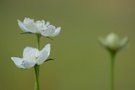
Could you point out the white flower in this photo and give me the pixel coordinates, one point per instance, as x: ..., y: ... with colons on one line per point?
x: 40, y: 27
x: 32, y: 56
x: 114, y: 42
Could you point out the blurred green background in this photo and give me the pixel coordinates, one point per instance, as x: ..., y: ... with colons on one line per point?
x: 81, y: 63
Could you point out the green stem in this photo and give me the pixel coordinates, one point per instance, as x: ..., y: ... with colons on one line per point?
x: 37, y: 67
x: 38, y: 40
x: 112, y: 71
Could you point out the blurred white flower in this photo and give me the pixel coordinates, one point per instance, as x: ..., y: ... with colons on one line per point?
x: 39, y: 27
x: 32, y: 56
x: 113, y: 42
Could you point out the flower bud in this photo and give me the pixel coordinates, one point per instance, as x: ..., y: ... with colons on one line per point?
x: 113, y: 42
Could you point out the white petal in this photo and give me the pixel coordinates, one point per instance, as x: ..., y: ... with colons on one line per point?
x: 47, y: 23
x: 57, y: 31
x: 49, y: 31
x: 28, y: 25
x: 124, y: 42
x: 44, y: 53
x: 28, y: 20
x: 22, y: 26
x: 18, y: 62
x: 30, y: 52
x: 28, y: 64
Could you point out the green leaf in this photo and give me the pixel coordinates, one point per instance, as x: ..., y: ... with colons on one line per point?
x: 26, y: 33
x: 49, y: 59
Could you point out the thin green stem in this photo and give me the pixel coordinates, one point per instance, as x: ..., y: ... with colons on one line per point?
x: 112, y: 71
x: 38, y: 40
x: 37, y: 67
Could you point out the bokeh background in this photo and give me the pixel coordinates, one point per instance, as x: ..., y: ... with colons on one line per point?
x: 80, y: 62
